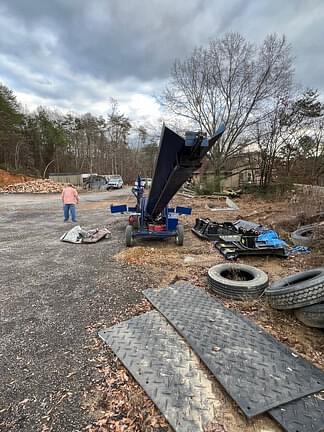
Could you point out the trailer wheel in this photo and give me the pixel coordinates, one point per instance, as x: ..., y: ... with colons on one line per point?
x: 129, y: 236
x: 180, y: 235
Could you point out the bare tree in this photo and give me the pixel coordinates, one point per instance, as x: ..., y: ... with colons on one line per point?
x: 318, y: 151
x: 281, y: 134
x: 118, y: 128
x: 267, y: 136
x: 298, y: 117
x: 230, y: 81
x: 311, y: 158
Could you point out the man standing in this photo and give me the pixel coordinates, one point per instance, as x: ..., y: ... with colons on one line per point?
x: 70, y: 198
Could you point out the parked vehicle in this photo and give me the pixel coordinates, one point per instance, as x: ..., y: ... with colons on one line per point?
x: 115, y: 182
x: 145, y: 182
x: 94, y: 181
x: 148, y: 182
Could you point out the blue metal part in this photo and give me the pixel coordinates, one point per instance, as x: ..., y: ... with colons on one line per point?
x: 172, y: 221
x: 183, y: 210
x: 171, y: 145
x: 176, y: 162
x: 138, y: 192
x: 142, y: 207
x: 118, y: 208
x: 154, y: 234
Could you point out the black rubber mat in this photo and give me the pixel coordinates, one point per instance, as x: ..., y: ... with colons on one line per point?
x: 303, y: 415
x: 257, y: 371
x: 167, y: 369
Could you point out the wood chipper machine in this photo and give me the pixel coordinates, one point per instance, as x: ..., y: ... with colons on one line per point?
x: 178, y: 158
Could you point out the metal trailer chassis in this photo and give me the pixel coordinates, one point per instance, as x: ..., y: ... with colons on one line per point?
x: 141, y: 226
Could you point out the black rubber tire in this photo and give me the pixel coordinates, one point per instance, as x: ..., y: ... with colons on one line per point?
x: 312, y: 316
x: 299, y: 290
x: 129, y: 239
x: 303, y: 236
x: 237, y: 289
x: 180, y: 235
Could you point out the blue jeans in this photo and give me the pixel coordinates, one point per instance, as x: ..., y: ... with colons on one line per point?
x: 69, y: 209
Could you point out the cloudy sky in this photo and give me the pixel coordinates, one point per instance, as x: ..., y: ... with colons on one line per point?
x: 77, y: 54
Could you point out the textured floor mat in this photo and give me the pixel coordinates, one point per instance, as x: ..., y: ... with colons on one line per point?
x: 258, y: 372
x: 302, y: 415
x: 167, y: 369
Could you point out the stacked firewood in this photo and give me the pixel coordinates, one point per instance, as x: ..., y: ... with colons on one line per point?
x: 33, y: 186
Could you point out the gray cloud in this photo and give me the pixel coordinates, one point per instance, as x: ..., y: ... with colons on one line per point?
x: 114, y: 39
x: 78, y: 52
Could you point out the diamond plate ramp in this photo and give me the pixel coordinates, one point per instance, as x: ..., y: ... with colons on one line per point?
x: 258, y: 372
x: 303, y: 415
x: 167, y: 369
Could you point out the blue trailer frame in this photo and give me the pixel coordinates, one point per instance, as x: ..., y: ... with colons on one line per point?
x: 167, y: 215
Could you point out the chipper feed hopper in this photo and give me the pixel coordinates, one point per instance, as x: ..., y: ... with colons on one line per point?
x: 177, y: 160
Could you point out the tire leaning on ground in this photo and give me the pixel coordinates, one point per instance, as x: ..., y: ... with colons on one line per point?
x: 237, y: 281
x: 303, y: 236
x: 312, y: 316
x: 298, y: 290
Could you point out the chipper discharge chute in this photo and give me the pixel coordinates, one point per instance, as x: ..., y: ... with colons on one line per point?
x: 177, y: 160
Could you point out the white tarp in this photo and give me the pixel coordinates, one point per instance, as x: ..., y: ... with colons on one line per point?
x: 79, y: 235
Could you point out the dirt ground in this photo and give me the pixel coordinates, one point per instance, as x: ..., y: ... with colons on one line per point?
x: 55, y: 373
x: 7, y: 178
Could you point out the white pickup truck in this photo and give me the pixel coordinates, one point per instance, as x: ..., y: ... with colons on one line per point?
x: 115, y: 182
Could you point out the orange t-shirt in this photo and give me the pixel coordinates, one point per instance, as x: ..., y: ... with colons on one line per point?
x: 70, y: 195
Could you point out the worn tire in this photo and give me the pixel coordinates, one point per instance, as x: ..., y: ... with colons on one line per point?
x: 298, y: 290
x: 180, y: 235
x: 129, y: 236
x: 252, y: 285
x: 303, y: 236
x: 312, y: 316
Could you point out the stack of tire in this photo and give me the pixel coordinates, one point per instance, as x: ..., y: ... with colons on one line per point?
x: 237, y: 281
x: 303, y: 293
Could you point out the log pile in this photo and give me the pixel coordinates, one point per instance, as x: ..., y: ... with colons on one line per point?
x: 33, y: 186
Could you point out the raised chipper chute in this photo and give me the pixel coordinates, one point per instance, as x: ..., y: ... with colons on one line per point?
x: 177, y: 160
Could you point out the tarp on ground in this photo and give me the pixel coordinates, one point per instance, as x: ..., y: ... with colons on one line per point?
x: 79, y: 235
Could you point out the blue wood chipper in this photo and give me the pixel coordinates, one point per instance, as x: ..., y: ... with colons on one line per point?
x: 177, y: 160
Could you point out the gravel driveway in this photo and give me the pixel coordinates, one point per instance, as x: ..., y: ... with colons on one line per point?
x: 50, y: 293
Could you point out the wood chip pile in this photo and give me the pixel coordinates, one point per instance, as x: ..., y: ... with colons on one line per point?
x: 33, y: 186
